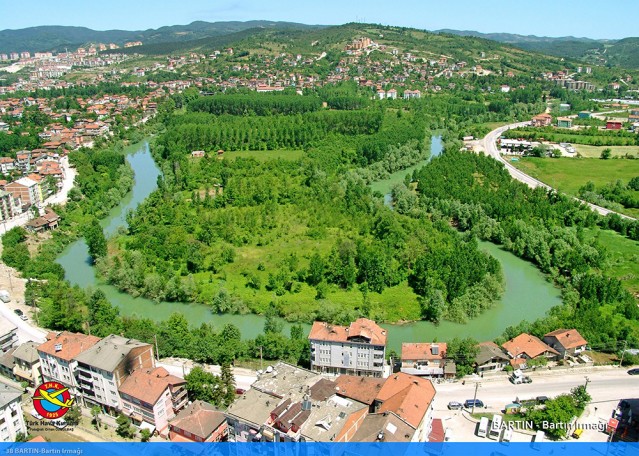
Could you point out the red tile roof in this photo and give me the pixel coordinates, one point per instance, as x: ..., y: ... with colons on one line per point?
x: 148, y: 385
x: 70, y: 344
x: 424, y: 351
x: 529, y: 345
x: 408, y: 396
x: 362, y: 389
x: 362, y: 327
x: 567, y: 338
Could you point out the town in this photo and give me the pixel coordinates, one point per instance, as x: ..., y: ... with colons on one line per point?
x: 355, y: 233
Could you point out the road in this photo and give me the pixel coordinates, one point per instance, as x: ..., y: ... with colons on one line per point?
x: 607, y: 388
x: 26, y: 330
x: 489, y: 144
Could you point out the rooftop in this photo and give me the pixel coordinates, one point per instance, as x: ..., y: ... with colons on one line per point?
x: 6, y: 327
x: 108, y: 353
x: 148, y: 385
x: 424, y: 351
x: 66, y: 345
x: 362, y: 389
x: 362, y: 328
x: 8, y: 394
x: 568, y: 338
x: 27, y: 352
x: 526, y: 344
x: 199, y: 418
x: 408, y: 396
x: 489, y: 350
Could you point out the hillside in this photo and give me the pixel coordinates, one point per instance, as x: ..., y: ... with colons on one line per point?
x: 622, y: 53
x: 56, y: 38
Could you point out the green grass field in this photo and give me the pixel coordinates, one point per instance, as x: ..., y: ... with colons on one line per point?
x: 595, y: 151
x: 263, y: 155
x: 569, y: 174
x: 623, y: 256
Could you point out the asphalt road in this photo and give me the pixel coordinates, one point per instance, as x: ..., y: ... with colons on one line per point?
x: 607, y: 388
x: 490, y: 146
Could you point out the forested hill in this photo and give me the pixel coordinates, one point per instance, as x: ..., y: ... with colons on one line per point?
x: 56, y: 38
x: 623, y: 53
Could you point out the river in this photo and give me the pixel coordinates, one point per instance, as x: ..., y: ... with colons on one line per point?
x: 528, y: 295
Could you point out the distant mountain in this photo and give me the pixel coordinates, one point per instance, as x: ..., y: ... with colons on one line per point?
x: 57, y: 38
x: 624, y: 52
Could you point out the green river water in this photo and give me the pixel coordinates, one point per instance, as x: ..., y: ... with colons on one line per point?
x: 528, y: 295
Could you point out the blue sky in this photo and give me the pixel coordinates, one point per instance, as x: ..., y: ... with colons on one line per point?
x: 590, y: 18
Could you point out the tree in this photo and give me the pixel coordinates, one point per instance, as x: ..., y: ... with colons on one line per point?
x: 580, y: 396
x: 228, y: 385
x: 73, y: 415
x: 124, y: 429
x: 203, y: 386
x: 145, y: 435
x: 96, y: 241
x: 606, y: 153
x: 463, y: 352
x: 559, y: 411
x: 95, y: 413
x: 272, y: 325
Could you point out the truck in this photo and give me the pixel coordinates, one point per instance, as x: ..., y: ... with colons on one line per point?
x: 4, y: 296
x: 495, y: 427
x: 518, y: 377
x: 482, y: 430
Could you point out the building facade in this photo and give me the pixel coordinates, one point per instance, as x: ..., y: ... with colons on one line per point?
x: 11, y: 417
x: 359, y: 349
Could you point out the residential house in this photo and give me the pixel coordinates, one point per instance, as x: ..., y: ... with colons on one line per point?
x: 490, y: 357
x: 57, y: 357
x: 106, y: 365
x: 11, y: 417
x: 542, y: 120
x: 359, y: 349
x: 407, y: 397
x: 27, y: 190
x: 7, y: 361
x: 392, y: 94
x: 525, y: 347
x: 199, y: 422
x: 7, y: 164
x: 564, y: 107
x: 288, y: 403
x: 8, y: 334
x: 584, y: 114
x: 568, y: 342
x: 48, y: 221
x: 409, y: 94
x: 425, y: 359
x: 153, y: 396
x: 564, y: 122
x: 26, y: 366
x: 613, y: 125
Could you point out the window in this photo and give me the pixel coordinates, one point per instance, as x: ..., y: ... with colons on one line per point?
x: 16, y: 423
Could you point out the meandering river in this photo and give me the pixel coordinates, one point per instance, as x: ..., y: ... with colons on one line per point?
x: 528, y: 295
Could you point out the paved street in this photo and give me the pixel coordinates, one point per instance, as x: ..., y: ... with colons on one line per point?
x: 606, y: 387
x: 490, y: 146
x: 244, y: 378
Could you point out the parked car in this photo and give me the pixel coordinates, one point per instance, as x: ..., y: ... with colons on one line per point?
x: 21, y: 314
x: 476, y: 402
x: 542, y: 399
x: 634, y: 371
x: 452, y: 405
x: 240, y: 391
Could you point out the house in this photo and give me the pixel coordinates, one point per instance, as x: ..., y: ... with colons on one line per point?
x: 199, y: 422
x: 564, y: 122
x: 106, y: 365
x: 7, y: 164
x: 359, y: 349
x: 290, y: 404
x: 409, y: 94
x: 392, y: 94
x: 57, y: 357
x: 541, y: 120
x: 490, y: 358
x: 584, y: 114
x: 568, y: 342
x: 424, y: 359
x: 48, y: 221
x: 564, y: 107
x: 26, y: 366
x: 525, y: 347
x: 381, y: 94
x: 197, y: 154
x: 613, y: 125
x: 153, y: 396
x: 407, y: 397
x: 8, y: 335
x: 11, y: 417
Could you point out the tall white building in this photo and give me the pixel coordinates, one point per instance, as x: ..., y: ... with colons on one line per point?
x: 11, y: 417
x: 359, y: 349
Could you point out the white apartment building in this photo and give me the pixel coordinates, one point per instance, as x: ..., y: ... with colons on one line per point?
x: 8, y: 335
x: 11, y: 417
x: 359, y: 349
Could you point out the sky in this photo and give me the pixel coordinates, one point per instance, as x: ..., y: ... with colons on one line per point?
x: 582, y: 18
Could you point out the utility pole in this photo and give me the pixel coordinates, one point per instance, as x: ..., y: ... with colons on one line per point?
x: 261, y: 359
x: 587, y: 381
x: 623, y: 352
x: 475, y: 397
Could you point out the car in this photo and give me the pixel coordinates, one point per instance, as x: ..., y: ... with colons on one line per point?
x: 240, y: 391
x: 452, y: 405
x: 634, y: 371
x: 21, y: 314
x: 542, y: 399
x: 473, y: 402
x: 527, y: 379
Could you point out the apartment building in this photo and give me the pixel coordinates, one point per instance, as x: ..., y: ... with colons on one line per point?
x: 106, y: 365
x: 359, y: 349
x: 11, y: 417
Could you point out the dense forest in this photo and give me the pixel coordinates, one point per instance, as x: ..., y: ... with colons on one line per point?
x: 303, y: 235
